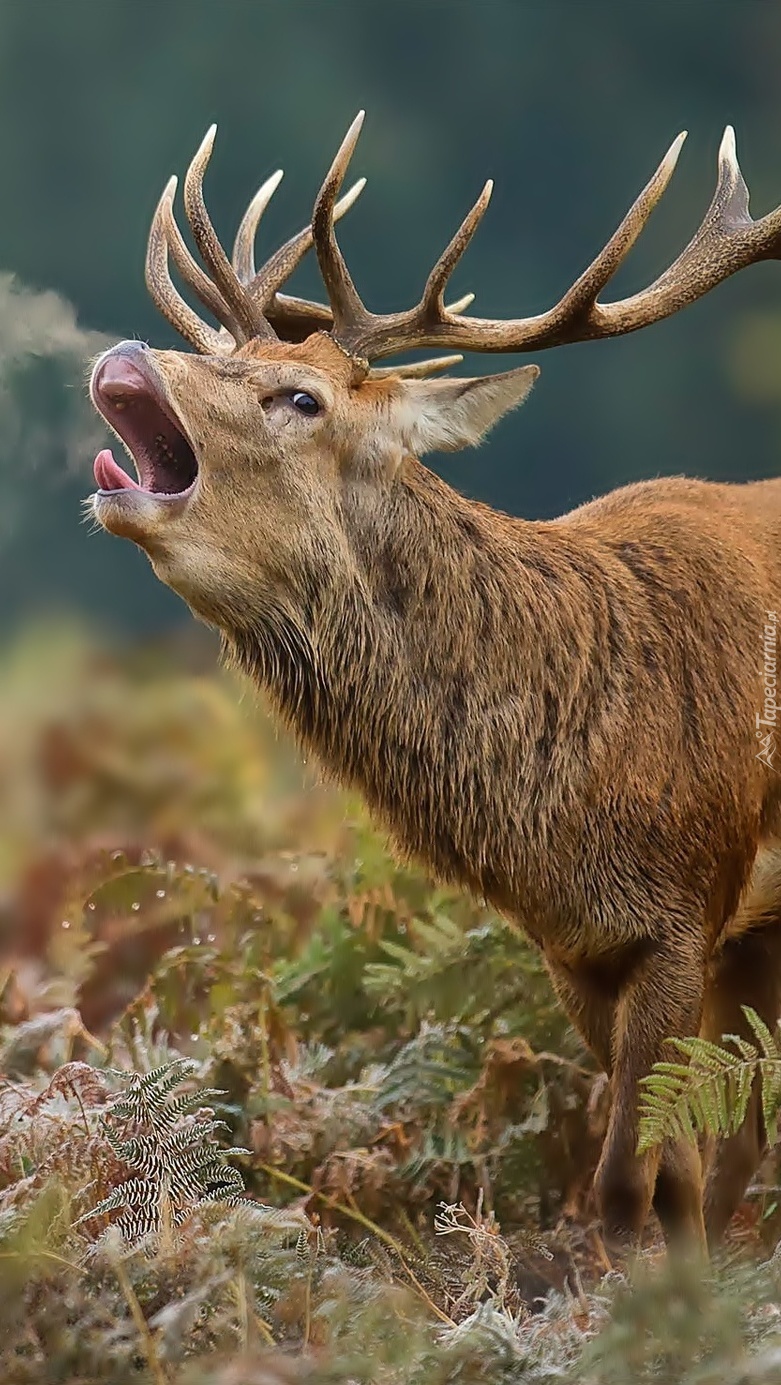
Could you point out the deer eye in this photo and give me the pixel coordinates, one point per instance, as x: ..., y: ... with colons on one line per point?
x: 305, y: 403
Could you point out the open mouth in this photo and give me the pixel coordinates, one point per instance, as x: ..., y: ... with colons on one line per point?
x: 126, y: 393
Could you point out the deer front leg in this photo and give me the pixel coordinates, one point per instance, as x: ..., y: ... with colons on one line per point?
x: 660, y: 998
x: 590, y: 997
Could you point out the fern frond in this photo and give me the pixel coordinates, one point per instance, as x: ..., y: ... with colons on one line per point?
x: 167, y: 1140
x: 710, y: 1092
x: 437, y: 1063
x: 133, y: 1193
x: 768, y: 1042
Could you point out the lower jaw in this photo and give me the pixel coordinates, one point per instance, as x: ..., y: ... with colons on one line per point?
x: 138, y: 514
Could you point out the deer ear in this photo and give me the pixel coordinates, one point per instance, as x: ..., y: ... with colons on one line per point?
x: 445, y: 415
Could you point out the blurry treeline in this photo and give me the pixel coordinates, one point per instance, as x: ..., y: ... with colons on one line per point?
x: 567, y: 105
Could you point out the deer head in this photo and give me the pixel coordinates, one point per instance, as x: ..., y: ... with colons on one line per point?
x: 252, y: 453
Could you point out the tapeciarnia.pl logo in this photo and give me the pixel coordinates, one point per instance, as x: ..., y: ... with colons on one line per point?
x: 767, y: 719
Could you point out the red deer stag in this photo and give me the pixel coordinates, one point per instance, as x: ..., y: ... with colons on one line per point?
x: 563, y: 715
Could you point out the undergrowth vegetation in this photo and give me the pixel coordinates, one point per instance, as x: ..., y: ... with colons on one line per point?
x: 276, y: 1108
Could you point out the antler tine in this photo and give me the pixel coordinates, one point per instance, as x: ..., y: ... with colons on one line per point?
x: 357, y: 329
x: 250, y: 321
x: 191, y: 271
x: 244, y: 245
x: 281, y: 264
x: 293, y: 318
x: 347, y: 308
x: 461, y: 304
x: 727, y: 240
x: 173, y: 307
x: 585, y: 291
x: 384, y: 334
x: 432, y: 301
x: 415, y: 370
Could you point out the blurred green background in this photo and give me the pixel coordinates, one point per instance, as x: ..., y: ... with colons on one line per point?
x: 568, y: 104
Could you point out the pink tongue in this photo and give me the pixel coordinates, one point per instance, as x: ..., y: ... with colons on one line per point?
x: 110, y: 476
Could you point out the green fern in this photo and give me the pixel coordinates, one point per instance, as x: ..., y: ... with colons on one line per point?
x: 710, y: 1091
x: 429, y: 1070
x: 168, y: 1143
x: 424, y: 977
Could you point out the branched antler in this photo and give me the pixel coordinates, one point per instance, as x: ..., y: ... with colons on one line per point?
x: 727, y: 240
x: 249, y: 304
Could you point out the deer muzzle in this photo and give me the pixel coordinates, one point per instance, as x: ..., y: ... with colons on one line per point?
x: 128, y: 392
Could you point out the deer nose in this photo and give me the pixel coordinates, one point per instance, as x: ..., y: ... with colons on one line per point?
x: 118, y: 378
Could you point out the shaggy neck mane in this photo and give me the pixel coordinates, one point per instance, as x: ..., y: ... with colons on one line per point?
x: 386, y: 677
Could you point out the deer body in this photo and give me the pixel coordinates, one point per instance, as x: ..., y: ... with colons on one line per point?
x: 481, y: 679
x: 561, y: 716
